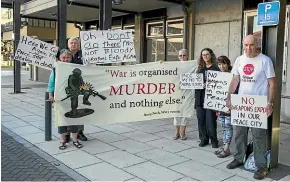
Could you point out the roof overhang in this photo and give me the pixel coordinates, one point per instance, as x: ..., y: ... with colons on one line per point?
x: 88, y: 10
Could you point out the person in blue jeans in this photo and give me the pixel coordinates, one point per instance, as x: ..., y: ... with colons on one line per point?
x: 64, y: 56
x: 224, y: 118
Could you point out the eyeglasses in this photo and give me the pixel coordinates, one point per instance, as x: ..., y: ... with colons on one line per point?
x: 205, y: 54
x: 182, y: 55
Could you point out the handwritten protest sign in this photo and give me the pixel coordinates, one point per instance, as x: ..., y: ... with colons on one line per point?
x: 117, y: 94
x: 191, y: 81
x: 36, y: 52
x: 249, y: 111
x: 217, y: 86
x: 107, y: 46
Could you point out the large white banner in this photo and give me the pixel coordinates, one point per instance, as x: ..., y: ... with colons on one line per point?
x: 36, y: 52
x: 113, y: 94
x: 217, y: 87
x: 249, y: 111
x: 107, y: 46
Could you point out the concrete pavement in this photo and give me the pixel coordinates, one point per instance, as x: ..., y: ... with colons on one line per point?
x: 129, y: 151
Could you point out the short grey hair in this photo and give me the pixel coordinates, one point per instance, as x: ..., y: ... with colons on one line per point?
x: 184, y: 51
x: 73, y: 38
x: 65, y: 51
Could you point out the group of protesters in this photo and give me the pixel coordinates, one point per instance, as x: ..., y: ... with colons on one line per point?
x: 263, y: 83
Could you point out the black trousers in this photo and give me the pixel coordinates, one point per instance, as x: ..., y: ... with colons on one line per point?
x: 207, y: 125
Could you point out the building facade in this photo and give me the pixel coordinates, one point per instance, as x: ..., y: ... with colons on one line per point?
x: 164, y: 27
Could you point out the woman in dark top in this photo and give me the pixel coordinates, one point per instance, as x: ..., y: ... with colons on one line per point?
x: 207, y: 125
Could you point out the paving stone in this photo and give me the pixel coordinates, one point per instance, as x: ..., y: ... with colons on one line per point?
x: 104, y: 172
x: 15, y: 124
x: 202, y: 156
x: 131, y: 146
x: 37, y: 138
x: 168, y: 145
x: 149, y: 171
x: 108, y: 137
x: 161, y: 157
x: 148, y: 128
x: 89, y: 129
x: 5, y: 118
x: 26, y: 130
x: 95, y: 147
x: 120, y: 158
x: 117, y: 128
x: 200, y: 171
x: 32, y: 118
x: 141, y: 136
x: 77, y: 159
x: 14, y: 168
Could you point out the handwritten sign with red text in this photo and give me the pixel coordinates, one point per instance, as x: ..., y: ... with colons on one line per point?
x: 249, y: 111
x: 107, y: 46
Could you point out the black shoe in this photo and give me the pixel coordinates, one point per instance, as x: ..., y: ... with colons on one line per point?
x: 234, y: 164
x: 67, y: 138
x: 261, y: 173
x: 82, y: 137
x: 87, y: 103
x: 215, y: 145
x: 202, y: 144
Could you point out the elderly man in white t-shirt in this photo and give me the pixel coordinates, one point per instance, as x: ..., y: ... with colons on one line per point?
x: 255, y: 73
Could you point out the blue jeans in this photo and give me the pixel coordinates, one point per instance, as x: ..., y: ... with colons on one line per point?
x: 227, y: 128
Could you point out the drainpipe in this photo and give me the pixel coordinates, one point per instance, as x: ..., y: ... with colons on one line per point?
x: 185, y: 22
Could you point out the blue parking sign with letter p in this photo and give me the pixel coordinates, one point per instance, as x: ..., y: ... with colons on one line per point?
x: 268, y: 13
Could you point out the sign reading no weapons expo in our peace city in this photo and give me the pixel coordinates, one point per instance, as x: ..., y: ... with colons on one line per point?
x: 191, y: 81
x: 36, y: 52
x: 268, y: 13
x: 249, y: 111
x: 107, y: 46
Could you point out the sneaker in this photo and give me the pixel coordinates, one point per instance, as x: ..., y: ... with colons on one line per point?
x: 81, y: 136
x: 234, y: 164
x: 261, y: 173
x: 202, y: 144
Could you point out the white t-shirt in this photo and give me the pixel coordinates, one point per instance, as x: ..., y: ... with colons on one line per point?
x: 254, y: 73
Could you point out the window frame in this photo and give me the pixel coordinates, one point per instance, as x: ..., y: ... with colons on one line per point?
x: 170, y: 21
x: 147, y: 29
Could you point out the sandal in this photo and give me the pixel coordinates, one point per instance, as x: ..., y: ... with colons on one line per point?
x: 217, y: 152
x: 183, y: 137
x: 62, y: 145
x: 77, y: 144
x: 175, y: 137
x: 224, y: 154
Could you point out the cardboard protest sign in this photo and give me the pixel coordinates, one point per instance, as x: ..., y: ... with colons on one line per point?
x: 249, y: 111
x: 217, y: 86
x: 116, y: 94
x: 36, y: 52
x: 191, y: 81
x: 107, y: 46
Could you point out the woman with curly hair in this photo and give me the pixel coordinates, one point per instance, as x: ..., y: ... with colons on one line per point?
x: 207, y: 125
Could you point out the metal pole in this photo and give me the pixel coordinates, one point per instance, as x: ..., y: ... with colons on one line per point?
x: 61, y: 23
x: 48, y: 116
x: 273, y: 47
x: 16, y: 31
x: 101, y: 14
x: 107, y: 16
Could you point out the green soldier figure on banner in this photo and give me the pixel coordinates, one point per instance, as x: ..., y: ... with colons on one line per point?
x: 76, y: 86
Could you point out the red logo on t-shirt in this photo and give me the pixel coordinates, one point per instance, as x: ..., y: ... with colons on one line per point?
x: 248, y: 69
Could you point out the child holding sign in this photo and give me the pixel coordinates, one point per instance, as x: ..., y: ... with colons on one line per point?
x: 224, y: 118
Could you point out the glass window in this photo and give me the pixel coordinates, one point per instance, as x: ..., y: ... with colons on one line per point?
x: 155, y: 50
x: 175, y: 27
x: 173, y: 46
x: 252, y: 26
x: 155, y: 30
